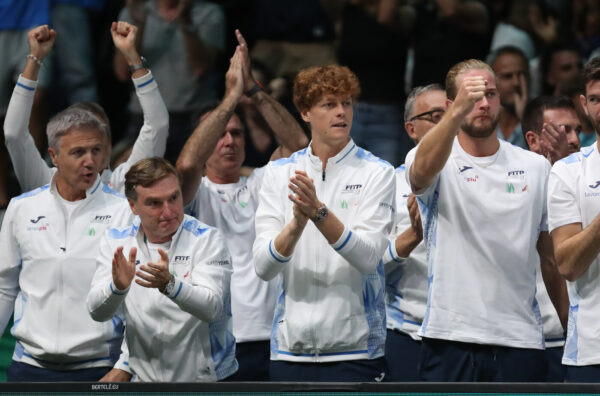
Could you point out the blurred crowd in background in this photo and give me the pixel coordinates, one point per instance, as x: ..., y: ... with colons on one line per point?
x: 392, y: 45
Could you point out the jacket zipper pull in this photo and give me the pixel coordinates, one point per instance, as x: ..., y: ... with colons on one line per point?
x: 323, y: 174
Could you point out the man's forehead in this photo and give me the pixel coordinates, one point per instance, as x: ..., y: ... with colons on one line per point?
x: 561, y: 115
x: 592, y: 88
x: 508, y: 61
x: 430, y: 99
x: 334, y: 97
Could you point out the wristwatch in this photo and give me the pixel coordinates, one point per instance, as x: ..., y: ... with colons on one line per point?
x: 321, y: 214
x: 170, y: 286
x: 143, y: 65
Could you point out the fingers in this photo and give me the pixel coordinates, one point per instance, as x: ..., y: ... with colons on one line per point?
x: 240, y: 38
x: 132, y: 256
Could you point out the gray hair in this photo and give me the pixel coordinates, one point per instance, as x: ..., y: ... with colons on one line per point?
x: 70, y: 118
x: 412, y: 97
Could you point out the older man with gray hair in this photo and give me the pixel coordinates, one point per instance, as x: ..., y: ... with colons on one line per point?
x: 49, y: 240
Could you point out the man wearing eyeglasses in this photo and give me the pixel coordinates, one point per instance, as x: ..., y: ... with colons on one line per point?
x: 405, y: 258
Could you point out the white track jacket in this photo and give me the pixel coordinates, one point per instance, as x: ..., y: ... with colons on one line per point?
x: 47, y: 265
x: 186, y: 336
x: 330, y: 303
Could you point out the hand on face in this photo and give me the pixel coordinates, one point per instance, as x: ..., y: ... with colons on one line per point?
x: 553, y: 140
x: 520, y: 97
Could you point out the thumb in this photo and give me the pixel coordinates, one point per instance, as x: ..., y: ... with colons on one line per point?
x: 163, y: 255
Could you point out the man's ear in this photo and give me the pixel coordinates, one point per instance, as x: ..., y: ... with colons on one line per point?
x: 132, y: 206
x: 410, y: 129
x: 583, y: 102
x: 533, y: 141
x: 305, y: 115
x: 53, y: 155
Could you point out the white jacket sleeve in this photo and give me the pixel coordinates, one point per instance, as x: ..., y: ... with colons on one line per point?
x: 10, y: 265
x: 207, y: 292
x: 363, y: 242
x: 269, y: 221
x: 152, y: 140
x: 30, y: 168
x: 104, y: 298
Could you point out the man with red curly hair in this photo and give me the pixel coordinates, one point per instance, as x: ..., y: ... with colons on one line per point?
x: 324, y: 239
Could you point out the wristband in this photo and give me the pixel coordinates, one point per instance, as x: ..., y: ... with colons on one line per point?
x: 35, y: 59
x: 252, y: 91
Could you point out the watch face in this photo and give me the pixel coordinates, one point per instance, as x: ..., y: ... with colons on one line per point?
x: 322, y: 213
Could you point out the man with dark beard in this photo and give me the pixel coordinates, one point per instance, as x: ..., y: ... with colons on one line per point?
x: 483, y: 209
x: 512, y: 74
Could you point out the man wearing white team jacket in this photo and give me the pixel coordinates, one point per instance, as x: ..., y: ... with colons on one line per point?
x: 178, y: 309
x: 321, y: 227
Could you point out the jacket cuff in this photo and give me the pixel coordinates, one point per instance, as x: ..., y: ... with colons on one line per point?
x: 26, y: 85
x: 276, y: 255
x: 145, y: 83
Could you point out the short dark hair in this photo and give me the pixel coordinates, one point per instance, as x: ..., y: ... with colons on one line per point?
x: 591, y: 71
x: 533, y: 116
x: 146, y: 172
x: 507, y: 49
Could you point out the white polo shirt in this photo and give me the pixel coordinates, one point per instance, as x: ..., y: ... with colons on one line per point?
x: 574, y: 197
x: 481, y: 221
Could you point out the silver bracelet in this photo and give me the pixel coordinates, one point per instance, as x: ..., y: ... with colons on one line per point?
x: 35, y: 59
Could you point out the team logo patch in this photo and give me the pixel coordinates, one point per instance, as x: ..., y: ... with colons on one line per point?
x: 102, y: 219
x: 34, y: 221
x: 464, y: 168
x: 181, y: 259
x: 595, y: 185
x: 352, y: 188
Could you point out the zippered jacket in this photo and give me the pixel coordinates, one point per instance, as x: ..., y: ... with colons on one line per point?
x: 49, y: 259
x: 185, y: 336
x: 330, y: 303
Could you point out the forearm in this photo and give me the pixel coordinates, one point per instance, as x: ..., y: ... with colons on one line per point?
x: 287, y: 131
x: 152, y: 139
x: 575, y: 254
x: 31, y: 170
x: 104, y: 299
x: 406, y: 242
x: 203, y: 303
x: 433, y: 151
x: 201, y: 144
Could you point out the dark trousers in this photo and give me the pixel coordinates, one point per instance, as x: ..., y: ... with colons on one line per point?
x: 253, y: 360
x: 556, y: 371
x: 589, y: 373
x: 21, y: 372
x: 402, y: 357
x: 363, y: 370
x: 453, y: 361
